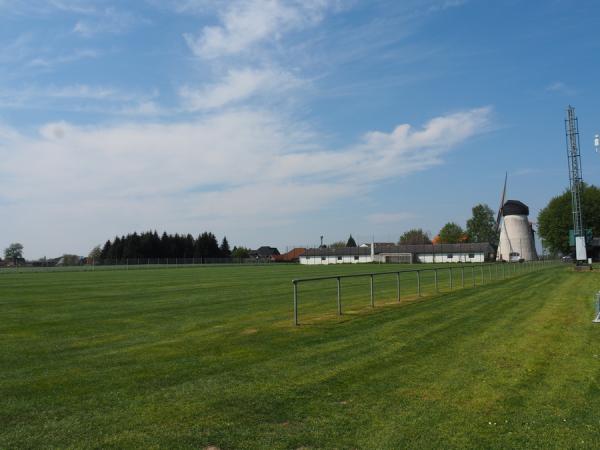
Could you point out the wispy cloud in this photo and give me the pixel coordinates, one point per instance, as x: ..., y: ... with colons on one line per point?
x: 246, y: 23
x: 53, y: 61
x: 107, y: 21
x: 561, y: 88
x: 236, y: 86
x: 108, y: 99
x: 150, y: 169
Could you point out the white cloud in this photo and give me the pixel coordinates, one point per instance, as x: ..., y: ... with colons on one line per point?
x: 245, y: 23
x: 109, y: 21
x: 227, y: 169
x: 236, y: 86
x: 560, y: 87
x: 107, y: 99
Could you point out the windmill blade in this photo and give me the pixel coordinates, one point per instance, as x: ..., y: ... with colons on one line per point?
x: 499, y: 216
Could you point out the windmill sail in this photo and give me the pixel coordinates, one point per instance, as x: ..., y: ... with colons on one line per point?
x: 499, y: 216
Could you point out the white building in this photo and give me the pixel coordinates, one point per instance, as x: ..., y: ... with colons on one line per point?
x: 423, y: 253
x: 516, y: 233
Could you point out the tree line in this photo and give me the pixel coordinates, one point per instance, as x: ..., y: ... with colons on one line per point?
x: 481, y: 227
x: 151, y: 245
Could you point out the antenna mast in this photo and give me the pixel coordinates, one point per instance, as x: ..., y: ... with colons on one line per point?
x: 576, y: 180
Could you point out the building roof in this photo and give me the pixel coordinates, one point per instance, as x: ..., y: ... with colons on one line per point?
x: 292, y: 255
x: 470, y: 247
x: 515, y: 208
x: 265, y: 251
x: 342, y: 251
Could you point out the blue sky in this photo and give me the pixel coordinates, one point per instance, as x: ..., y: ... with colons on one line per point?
x: 277, y: 121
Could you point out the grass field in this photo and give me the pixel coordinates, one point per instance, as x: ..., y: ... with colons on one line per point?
x: 208, y: 356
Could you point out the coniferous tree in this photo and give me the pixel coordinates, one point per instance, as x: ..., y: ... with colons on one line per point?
x: 351, y: 242
x: 224, y: 249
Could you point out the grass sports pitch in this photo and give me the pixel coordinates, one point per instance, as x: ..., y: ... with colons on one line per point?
x: 208, y: 356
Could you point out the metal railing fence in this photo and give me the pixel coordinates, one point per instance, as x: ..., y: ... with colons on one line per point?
x: 130, y: 263
x: 472, y: 274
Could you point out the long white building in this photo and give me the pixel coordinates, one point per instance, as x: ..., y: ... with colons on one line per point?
x: 423, y: 253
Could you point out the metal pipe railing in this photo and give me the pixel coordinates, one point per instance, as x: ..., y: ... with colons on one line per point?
x: 531, y: 266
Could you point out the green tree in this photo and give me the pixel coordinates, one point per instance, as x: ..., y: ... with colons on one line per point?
x: 338, y: 244
x: 95, y: 254
x: 240, y: 252
x: 415, y: 236
x: 556, y: 219
x: 480, y: 227
x: 207, y: 246
x: 351, y: 242
x: 14, y: 252
x: 224, y: 248
x: 451, y: 233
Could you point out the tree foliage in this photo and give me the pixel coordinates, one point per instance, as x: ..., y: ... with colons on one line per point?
x: 451, y: 233
x: 338, y: 244
x: 415, y: 236
x: 351, y: 242
x: 95, y: 253
x: 240, y: 252
x: 556, y: 219
x: 14, y: 252
x: 224, y: 249
x: 151, y: 245
x: 480, y: 227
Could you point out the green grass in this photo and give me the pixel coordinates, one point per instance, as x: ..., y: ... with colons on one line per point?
x: 190, y: 358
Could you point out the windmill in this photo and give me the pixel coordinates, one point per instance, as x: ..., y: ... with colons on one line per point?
x: 516, y: 232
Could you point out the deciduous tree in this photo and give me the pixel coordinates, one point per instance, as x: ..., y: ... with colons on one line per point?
x: 451, y: 233
x: 556, y: 219
x: 14, y: 252
x: 480, y: 227
x: 415, y: 236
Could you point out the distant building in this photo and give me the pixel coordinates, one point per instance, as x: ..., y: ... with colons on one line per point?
x: 408, y: 253
x: 264, y: 252
x: 291, y: 256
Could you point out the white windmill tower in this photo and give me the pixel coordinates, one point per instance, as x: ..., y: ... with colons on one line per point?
x: 516, y: 232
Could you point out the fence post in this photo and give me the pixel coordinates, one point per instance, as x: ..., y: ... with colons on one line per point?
x: 436, y: 280
x: 473, y: 275
x: 482, y: 277
x: 372, y: 293
x: 339, y: 296
x: 462, y: 277
x: 503, y: 272
x: 450, y: 278
x: 490, y: 271
x: 419, y: 283
x: 398, y: 285
x: 295, y: 302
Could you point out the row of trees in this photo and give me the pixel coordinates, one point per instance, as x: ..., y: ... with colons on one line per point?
x: 480, y: 228
x: 151, y: 245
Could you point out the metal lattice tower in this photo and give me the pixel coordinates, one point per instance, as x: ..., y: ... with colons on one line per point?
x: 575, y: 176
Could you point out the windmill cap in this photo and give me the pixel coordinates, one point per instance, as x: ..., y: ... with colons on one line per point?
x: 515, y: 208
